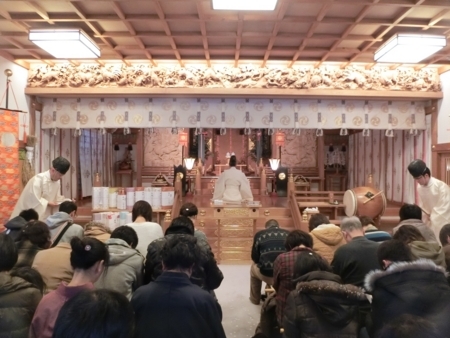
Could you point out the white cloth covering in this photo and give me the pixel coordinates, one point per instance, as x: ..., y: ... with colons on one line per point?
x: 232, y: 186
x: 39, y: 191
x: 435, y: 200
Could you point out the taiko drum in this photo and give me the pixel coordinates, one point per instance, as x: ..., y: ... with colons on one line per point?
x: 364, y: 201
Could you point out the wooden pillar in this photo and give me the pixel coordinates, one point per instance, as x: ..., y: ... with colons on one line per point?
x: 178, y: 185
x: 263, y: 182
x: 139, y: 157
x: 321, y: 161
x: 198, y: 181
x: 291, y: 185
x: 433, y: 110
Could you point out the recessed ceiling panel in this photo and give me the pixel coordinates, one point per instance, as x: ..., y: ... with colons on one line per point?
x: 222, y: 41
x: 255, y: 41
x: 148, y: 26
x: 302, y: 9
x: 383, y: 12
x: 116, y: 26
x: 184, y: 26
x: 294, y: 27
x: 344, y: 10
x: 290, y: 42
x: 258, y: 26
x: 138, y: 7
x: 156, y: 41
x: 329, y: 28
x: 189, y: 41
x: 221, y: 26
x: 178, y: 7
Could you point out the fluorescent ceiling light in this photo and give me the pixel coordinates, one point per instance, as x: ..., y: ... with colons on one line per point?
x: 65, y: 43
x: 244, y: 5
x: 409, y: 48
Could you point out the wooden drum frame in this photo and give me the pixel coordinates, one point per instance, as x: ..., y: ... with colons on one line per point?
x: 364, y: 201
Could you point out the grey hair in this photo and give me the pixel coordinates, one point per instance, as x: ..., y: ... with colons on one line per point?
x: 350, y: 224
x: 272, y: 223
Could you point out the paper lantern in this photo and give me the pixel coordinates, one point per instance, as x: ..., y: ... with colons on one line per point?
x: 183, y: 138
x: 279, y: 139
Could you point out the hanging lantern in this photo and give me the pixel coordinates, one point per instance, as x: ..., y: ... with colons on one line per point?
x: 279, y: 139
x: 183, y: 138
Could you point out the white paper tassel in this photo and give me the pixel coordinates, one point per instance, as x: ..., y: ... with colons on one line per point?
x: 223, y: 129
x: 389, y: 132
x: 54, y: 129
x: 77, y: 131
x: 102, y: 127
x: 413, y: 130
x: 366, y: 130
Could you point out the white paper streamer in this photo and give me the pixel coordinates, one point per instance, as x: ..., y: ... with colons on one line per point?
x: 366, y: 130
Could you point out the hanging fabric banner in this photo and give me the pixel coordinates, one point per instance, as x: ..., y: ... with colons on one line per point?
x: 254, y: 111
x: 9, y: 170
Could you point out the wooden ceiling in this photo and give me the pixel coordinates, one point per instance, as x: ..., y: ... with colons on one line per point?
x: 313, y: 31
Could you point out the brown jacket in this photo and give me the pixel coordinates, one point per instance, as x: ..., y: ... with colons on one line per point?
x: 54, y: 265
x: 327, y: 238
x: 97, y: 232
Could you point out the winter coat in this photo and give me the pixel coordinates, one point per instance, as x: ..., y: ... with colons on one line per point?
x: 428, y: 250
x: 205, y: 274
x: 58, y: 221
x: 14, y: 227
x: 124, y: 271
x: 18, y: 301
x: 321, y: 306
x: 418, y: 288
x: 54, y: 265
x: 424, y: 229
x: 327, y: 238
x: 27, y: 252
x: 97, y: 232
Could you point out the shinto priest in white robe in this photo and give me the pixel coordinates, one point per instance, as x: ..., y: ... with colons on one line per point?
x: 435, y: 200
x: 39, y: 191
x: 233, y: 186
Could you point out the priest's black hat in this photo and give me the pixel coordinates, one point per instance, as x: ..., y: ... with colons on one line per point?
x: 417, y: 168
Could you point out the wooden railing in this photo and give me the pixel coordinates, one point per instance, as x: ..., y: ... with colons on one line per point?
x: 295, y: 212
x: 319, y: 196
x: 174, y: 212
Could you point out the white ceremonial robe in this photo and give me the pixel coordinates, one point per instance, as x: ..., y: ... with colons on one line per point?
x: 40, y: 190
x: 435, y: 200
x: 233, y: 186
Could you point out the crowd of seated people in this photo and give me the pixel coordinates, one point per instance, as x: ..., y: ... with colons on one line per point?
x: 60, y: 279
x: 371, y: 285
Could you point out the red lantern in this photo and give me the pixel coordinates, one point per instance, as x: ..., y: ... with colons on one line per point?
x: 279, y: 139
x: 183, y: 138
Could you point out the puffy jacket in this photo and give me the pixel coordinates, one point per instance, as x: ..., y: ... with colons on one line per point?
x: 18, y: 301
x: 125, y: 268
x: 321, y: 306
x: 327, y: 238
x: 205, y: 274
x: 14, y: 227
x: 418, y: 288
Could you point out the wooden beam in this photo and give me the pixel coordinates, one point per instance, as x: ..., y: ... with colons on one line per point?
x: 443, y: 69
x: 235, y: 92
x: 11, y: 58
x: 40, y: 11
